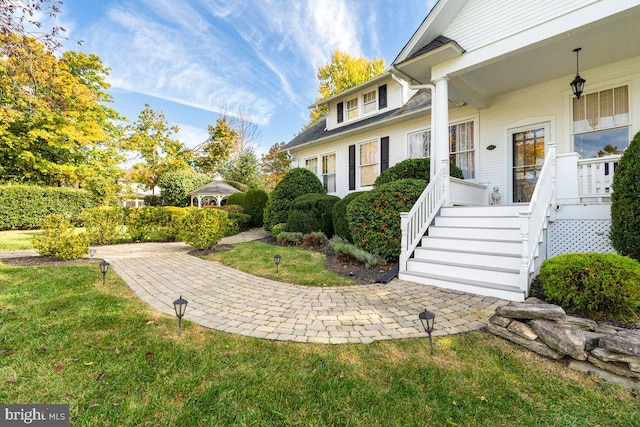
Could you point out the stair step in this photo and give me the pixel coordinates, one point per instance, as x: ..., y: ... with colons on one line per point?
x: 486, y: 211
x: 507, y: 247
x: 497, y: 275
x: 477, y: 221
x: 475, y: 258
x: 475, y: 233
x: 511, y: 293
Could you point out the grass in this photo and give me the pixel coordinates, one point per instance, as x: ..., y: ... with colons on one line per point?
x: 66, y: 338
x: 298, y: 266
x: 13, y: 240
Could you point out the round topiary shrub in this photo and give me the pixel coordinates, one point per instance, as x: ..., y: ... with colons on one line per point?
x: 236, y: 199
x: 598, y: 286
x: 340, y: 223
x: 297, y: 182
x: 412, y: 169
x: 374, y: 217
x: 254, y: 204
x: 312, y: 212
x: 625, y: 202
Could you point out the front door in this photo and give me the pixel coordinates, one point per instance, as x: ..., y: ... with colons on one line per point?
x: 526, y: 161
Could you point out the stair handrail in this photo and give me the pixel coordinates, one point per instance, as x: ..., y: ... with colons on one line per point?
x: 414, y: 224
x: 534, y: 220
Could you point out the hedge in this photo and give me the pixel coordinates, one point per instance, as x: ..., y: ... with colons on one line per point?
x: 254, y: 203
x: 312, y: 212
x: 104, y: 225
x: 413, y: 169
x: 236, y: 199
x: 203, y: 228
x: 340, y: 223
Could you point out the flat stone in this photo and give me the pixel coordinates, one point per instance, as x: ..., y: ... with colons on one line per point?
x: 613, y: 356
x: 593, y: 338
x: 565, y: 339
x: 531, y: 311
x: 615, y: 367
x: 534, y: 300
x: 635, y: 367
x: 626, y: 341
x: 610, y: 377
x: 580, y: 323
x: 500, y: 321
x: 606, y: 329
x: 522, y: 329
x: 535, y: 346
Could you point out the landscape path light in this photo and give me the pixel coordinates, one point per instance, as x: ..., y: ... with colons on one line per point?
x: 180, y: 305
x: 92, y: 252
x: 104, y: 266
x: 277, y: 259
x: 427, y: 319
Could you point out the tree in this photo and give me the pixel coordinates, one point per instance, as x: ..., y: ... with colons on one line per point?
x: 55, y: 125
x: 218, y: 148
x: 153, y: 139
x: 275, y: 164
x: 176, y: 185
x: 343, y: 72
x: 20, y: 17
x: 244, y: 167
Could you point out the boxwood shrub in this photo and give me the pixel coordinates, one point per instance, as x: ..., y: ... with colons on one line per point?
x: 312, y: 212
x: 340, y: 223
x: 412, y: 169
x: 374, y: 217
x: 203, y: 228
x: 598, y: 286
x: 143, y: 222
x: 59, y: 239
x: 236, y: 199
x: 25, y: 206
x: 254, y: 203
x: 297, y: 182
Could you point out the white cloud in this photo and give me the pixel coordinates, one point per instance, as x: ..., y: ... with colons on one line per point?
x: 191, y: 136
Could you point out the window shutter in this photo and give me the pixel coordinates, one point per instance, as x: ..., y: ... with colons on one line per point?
x: 384, y: 153
x: 382, y: 97
x: 352, y: 167
x: 340, y: 112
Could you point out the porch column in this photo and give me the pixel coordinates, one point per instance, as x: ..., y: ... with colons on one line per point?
x: 440, y: 148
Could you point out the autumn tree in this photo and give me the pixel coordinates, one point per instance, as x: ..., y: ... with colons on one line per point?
x: 275, y: 164
x: 153, y: 139
x: 244, y: 167
x: 22, y: 18
x: 216, y: 151
x: 343, y: 72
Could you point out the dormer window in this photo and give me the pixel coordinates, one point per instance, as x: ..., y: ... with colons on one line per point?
x: 352, y: 108
x: 369, y: 101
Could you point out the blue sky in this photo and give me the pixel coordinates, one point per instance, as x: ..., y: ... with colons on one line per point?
x: 190, y: 58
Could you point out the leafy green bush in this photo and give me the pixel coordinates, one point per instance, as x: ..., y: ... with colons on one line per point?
x: 625, y: 202
x: 26, y: 206
x: 312, y: 212
x: 236, y: 199
x: 350, y: 251
x: 599, y: 286
x: 203, y: 228
x: 412, y: 169
x: 277, y: 229
x: 152, y: 200
x: 315, y: 239
x: 289, y: 238
x: 228, y: 208
x: 175, y: 186
x: 104, y: 225
x: 59, y: 239
x: 374, y: 217
x: 142, y: 222
x: 239, y: 221
x: 340, y: 223
x: 171, y: 230
x: 254, y: 204
x: 297, y: 182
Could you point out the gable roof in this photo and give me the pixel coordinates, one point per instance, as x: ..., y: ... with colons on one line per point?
x: 317, y: 132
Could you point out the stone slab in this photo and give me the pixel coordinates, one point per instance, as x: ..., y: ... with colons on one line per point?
x: 617, y: 368
x: 627, y: 342
x: 531, y: 311
x: 579, y: 322
x: 565, y: 339
x: 535, y: 346
x: 614, y: 356
x: 522, y: 329
x: 500, y: 321
x: 588, y: 368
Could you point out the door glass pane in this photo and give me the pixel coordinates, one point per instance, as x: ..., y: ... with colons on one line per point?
x: 528, y: 156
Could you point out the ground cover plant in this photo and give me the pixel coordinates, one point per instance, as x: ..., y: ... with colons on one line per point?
x: 66, y: 338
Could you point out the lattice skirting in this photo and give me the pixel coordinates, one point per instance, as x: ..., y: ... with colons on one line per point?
x: 570, y: 235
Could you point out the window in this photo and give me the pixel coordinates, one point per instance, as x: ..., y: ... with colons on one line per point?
x: 369, y: 101
x: 329, y: 172
x: 369, y: 159
x: 312, y: 165
x: 352, y: 108
x: 419, y: 144
x: 601, y: 122
x: 462, y: 149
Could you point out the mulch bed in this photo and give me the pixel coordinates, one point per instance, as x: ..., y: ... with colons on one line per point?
x: 42, y: 261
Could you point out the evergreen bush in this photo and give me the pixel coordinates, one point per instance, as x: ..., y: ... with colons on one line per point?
x: 625, y: 202
x: 254, y: 204
x: 598, y: 286
x: 374, y: 217
x: 143, y: 222
x: 277, y: 229
x: 312, y: 212
x: 171, y: 230
x: 315, y: 239
x: 175, y: 186
x: 104, y: 225
x: 289, y: 238
x: 203, y: 228
x: 236, y: 199
x: 297, y: 182
x: 59, y: 239
x: 412, y: 169
x: 340, y: 223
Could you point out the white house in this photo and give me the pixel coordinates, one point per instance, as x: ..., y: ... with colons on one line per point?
x: 486, y: 84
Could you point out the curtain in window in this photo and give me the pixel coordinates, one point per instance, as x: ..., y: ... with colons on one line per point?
x: 329, y: 172
x: 419, y: 144
x: 369, y: 158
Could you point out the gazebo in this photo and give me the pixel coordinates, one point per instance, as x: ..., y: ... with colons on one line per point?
x: 216, y: 191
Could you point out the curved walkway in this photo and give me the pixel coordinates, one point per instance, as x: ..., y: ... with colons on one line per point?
x: 232, y: 301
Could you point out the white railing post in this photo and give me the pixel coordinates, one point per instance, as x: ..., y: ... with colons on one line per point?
x: 524, y: 251
x: 554, y: 172
x: 445, y: 182
x: 404, y: 256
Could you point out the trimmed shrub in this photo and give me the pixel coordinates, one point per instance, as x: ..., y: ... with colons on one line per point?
x: 60, y: 239
x: 104, y: 225
x: 175, y: 186
x: 203, y: 228
x: 239, y: 221
x: 297, y: 182
x: 340, y: 223
x: 351, y: 252
x: 374, y: 217
x: 277, y: 229
x: 238, y: 185
x: 25, y: 206
x: 236, y: 199
x: 289, y: 238
x: 598, y: 286
x: 254, y: 204
x: 412, y: 169
x: 312, y: 212
x: 142, y: 222
x: 228, y: 208
x: 171, y: 230
x: 315, y: 239
x: 625, y: 202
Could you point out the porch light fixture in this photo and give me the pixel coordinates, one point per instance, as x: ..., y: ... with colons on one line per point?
x: 104, y: 267
x: 92, y: 252
x: 577, y: 85
x: 277, y: 259
x: 427, y: 319
x: 180, y: 306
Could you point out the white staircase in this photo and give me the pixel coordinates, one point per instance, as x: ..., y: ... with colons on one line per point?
x: 471, y: 249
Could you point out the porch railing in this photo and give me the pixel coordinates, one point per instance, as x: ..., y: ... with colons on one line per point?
x: 414, y: 223
x: 467, y: 193
x: 595, y: 177
x: 534, y: 220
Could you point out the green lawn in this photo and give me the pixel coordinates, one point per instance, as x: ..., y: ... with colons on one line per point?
x: 66, y: 338
x: 12, y: 240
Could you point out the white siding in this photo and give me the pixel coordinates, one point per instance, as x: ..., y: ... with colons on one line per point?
x: 482, y: 22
